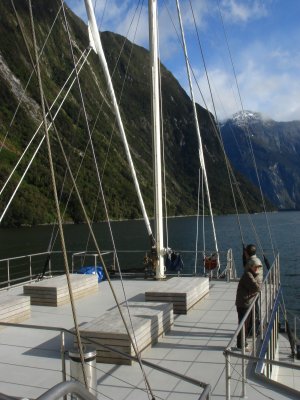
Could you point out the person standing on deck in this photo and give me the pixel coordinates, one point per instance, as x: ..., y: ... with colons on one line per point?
x: 248, y: 287
x: 252, y: 259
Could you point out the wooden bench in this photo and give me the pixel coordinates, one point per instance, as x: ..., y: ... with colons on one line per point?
x: 149, y: 321
x: 14, y: 308
x: 182, y: 292
x: 55, y: 292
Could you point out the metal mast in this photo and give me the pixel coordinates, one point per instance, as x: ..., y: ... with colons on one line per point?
x: 154, y: 67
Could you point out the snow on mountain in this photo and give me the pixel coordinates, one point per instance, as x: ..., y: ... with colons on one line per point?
x: 276, y: 148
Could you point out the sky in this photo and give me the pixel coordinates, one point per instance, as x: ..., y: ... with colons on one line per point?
x: 250, y: 48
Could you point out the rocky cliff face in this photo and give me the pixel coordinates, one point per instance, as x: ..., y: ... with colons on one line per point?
x: 276, y: 151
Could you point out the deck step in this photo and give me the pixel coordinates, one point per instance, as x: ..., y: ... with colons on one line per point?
x: 14, y: 308
x: 149, y: 321
x: 182, y: 292
x: 55, y: 292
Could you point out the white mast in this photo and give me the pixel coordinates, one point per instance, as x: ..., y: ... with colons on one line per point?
x: 97, y: 45
x: 160, y: 268
x: 201, y: 155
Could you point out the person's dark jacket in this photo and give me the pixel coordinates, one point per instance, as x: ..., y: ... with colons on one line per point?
x: 248, y: 287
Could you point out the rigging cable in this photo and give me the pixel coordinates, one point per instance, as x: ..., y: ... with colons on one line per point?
x: 235, y: 182
x: 32, y: 72
x: 35, y: 153
x: 201, y: 154
x: 92, y: 16
x: 56, y: 197
x: 248, y: 136
x: 96, y: 37
x: 114, y: 125
x: 218, y: 131
x: 197, y: 223
x: 231, y: 173
x: 41, y: 124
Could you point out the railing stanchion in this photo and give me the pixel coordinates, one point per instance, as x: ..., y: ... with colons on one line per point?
x: 63, y: 355
x: 254, y: 327
x: 30, y: 268
x: 228, y: 376
x: 8, y: 273
x: 243, y: 363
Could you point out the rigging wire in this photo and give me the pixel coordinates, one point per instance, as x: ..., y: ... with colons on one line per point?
x: 235, y: 182
x: 97, y: 42
x: 41, y: 124
x: 115, y: 122
x: 197, y: 223
x: 254, y: 386
x: 99, y: 192
x: 55, y: 231
x: 32, y: 72
x: 231, y: 174
x: 201, y: 153
x: 36, y: 151
x: 247, y: 133
x: 218, y: 131
x: 106, y: 211
x: 56, y: 197
x: 53, y: 235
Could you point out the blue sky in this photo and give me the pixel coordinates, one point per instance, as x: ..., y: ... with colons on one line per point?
x: 263, y: 38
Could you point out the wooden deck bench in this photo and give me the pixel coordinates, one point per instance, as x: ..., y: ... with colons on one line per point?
x: 182, y: 292
x: 54, y: 291
x: 14, y: 308
x: 149, y: 321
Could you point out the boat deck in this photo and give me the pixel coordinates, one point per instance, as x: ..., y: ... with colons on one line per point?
x: 31, y: 362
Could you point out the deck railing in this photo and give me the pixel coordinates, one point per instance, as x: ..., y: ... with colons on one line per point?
x: 64, y: 389
x: 264, y: 343
x: 17, y: 270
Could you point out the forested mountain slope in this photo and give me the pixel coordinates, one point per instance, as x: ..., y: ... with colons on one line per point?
x: 33, y: 203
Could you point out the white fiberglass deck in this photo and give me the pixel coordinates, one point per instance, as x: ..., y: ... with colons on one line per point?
x: 30, y: 359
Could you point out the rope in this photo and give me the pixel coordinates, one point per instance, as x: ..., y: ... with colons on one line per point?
x: 106, y: 211
x: 248, y: 136
x: 216, y: 119
x: 35, y: 153
x: 32, y: 72
x: 254, y: 386
x: 201, y: 154
x: 232, y: 179
x: 41, y: 124
x: 101, y: 56
x: 197, y: 223
x: 114, y: 125
x: 56, y: 198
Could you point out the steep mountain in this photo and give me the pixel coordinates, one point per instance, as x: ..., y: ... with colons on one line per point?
x: 61, y: 41
x: 276, y: 150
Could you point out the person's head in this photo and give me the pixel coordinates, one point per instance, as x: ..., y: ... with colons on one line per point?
x: 251, y: 250
x: 254, y: 269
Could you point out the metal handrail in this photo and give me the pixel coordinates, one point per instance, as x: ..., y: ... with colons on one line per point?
x: 296, y: 322
x: 32, y: 260
x: 266, y: 298
x: 70, y: 387
x: 203, y: 396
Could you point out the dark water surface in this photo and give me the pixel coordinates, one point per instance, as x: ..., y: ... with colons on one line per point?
x: 278, y: 231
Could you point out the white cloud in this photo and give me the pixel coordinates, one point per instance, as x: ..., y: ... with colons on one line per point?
x: 117, y: 16
x: 266, y: 69
x: 262, y: 89
x: 243, y: 11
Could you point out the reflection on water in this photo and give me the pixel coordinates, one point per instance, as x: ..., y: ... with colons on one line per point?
x: 131, y: 241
